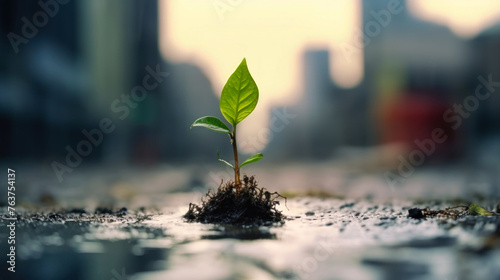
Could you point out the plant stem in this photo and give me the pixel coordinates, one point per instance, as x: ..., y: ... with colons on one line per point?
x: 237, y: 181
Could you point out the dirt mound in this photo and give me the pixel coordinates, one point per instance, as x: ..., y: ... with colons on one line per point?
x: 246, y: 205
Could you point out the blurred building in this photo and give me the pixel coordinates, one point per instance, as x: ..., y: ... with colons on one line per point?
x: 414, y: 72
x: 88, y: 55
x: 43, y: 85
x: 487, y: 62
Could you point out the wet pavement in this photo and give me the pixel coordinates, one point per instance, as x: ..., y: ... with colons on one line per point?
x: 321, y: 239
x: 344, y: 236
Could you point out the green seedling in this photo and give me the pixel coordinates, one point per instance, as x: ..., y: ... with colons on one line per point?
x: 238, y: 99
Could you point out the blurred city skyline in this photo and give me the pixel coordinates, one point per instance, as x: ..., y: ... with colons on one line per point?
x: 274, y: 36
x: 89, y: 54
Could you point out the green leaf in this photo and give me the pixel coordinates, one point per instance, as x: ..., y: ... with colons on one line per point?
x: 239, y: 96
x: 212, y: 123
x: 224, y: 161
x: 252, y: 159
x: 475, y: 209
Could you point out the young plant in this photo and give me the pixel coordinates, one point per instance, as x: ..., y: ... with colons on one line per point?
x: 238, y: 99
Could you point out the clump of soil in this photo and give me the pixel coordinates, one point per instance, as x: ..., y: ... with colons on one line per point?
x: 246, y: 205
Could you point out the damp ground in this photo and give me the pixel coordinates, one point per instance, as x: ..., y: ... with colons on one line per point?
x: 338, y: 235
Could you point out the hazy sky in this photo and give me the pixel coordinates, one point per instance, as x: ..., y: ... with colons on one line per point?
x: 465, y: 18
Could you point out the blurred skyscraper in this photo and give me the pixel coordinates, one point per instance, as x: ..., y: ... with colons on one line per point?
x: 89, y: 54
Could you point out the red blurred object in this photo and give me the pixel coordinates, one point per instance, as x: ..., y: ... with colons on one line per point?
x: 413, y: 116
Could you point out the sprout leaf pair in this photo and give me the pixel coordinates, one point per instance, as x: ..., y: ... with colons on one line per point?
x: 238, y: 99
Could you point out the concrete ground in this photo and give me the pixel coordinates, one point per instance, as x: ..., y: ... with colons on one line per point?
x: 341, y: 224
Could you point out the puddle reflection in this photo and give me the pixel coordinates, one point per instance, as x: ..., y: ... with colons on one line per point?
x: 240, y: 233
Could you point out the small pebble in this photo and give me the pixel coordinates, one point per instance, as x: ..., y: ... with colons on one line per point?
x: 309, y: 213
x: 328, y: 224
x: 415, y: 213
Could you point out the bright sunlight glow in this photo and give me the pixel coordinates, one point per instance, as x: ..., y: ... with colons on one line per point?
x: 272, y: 35
x: 466, y: 18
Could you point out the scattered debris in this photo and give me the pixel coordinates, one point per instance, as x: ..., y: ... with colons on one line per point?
x: 101, y: 215
x: 451, y: 212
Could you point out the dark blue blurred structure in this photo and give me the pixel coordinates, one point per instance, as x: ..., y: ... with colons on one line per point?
x: 66, y: 77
